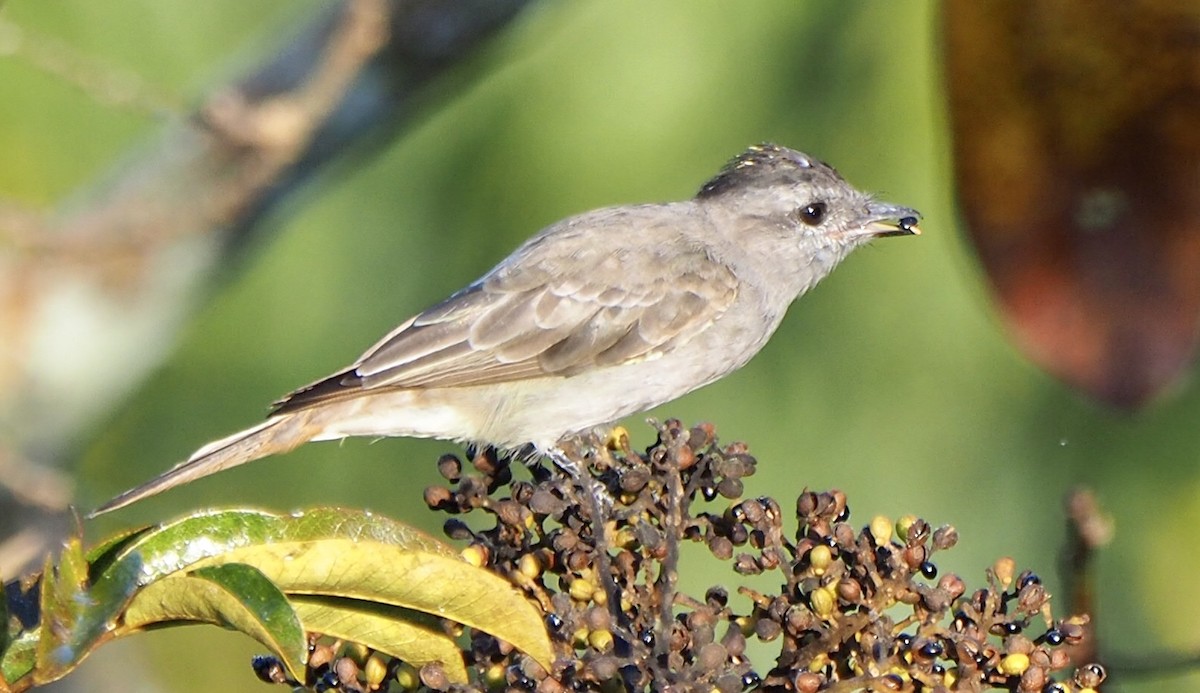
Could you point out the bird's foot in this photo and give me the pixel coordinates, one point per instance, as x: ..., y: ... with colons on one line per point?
x: 571, y: 457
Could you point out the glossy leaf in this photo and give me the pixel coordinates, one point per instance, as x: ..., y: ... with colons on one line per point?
x: 177, y: 545
x: 436, y: 584
x: 394, y: 631
x: 102, y: 555
x: 18, y: 660
x: 76, y: 617
x: 1077, y: 155
x: 345, y: 553
x: 344, y: 573
x: 232, y: 596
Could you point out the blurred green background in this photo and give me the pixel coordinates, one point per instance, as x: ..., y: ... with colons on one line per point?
x: 893, y: 380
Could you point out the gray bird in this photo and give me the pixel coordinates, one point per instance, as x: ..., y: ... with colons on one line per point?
x: 598, y: 316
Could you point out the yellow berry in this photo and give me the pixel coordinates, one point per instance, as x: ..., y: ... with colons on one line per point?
x: 579, y: 639
x: 819, y: 558
x: 494, y: 675
x: 376, y: 671
x: 1014, y: 664
x: 529, y: 565
x: 601, y: 640
x: 625, y: 538
x: 581, y: 590
x: 476, y: 555
x: 614, y: 438
x: 357, y: 652
x: 903, y: 524
x: 1005, y: 568
x: 407, y: 677
x: 823, y: 601
x: 881, y: 529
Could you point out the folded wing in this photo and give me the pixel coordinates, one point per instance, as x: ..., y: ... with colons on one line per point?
x: 562, y: 303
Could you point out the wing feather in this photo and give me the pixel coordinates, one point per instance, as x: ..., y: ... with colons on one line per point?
x: 562, y: 303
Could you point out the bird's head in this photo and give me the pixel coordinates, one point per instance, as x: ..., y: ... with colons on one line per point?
x: 806, y: 198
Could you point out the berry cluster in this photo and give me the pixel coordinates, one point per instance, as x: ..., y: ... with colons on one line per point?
x: 598, y: 551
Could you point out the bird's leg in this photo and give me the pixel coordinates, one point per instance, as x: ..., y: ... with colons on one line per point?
x: 573, y: 464
x: 567, y: 463
x: 569, y: 455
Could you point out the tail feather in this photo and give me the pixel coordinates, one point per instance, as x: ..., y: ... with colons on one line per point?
x: 275, y: 435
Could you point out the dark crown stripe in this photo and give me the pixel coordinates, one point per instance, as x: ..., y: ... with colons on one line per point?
x: 761, y: 165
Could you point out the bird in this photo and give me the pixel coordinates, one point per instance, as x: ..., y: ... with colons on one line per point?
x: 596, y: 317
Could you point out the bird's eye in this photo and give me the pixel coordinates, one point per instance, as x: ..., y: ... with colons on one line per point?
x: 813, y: 214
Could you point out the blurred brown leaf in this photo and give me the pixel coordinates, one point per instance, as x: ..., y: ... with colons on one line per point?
x: 1076, y: 130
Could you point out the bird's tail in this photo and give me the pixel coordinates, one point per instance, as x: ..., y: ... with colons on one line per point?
x: 277, y: 434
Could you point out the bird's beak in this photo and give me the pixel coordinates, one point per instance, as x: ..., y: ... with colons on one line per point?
x: 891, y: 220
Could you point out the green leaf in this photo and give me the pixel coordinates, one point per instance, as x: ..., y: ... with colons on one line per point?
x: 77, y: 617
x: 232, y: 596
x: 63, y: 600
x: 408, y: 635
x: 347, y: 574
x: 344, y: 553
x: 432, y: 583
x: 102, y: 555
x: 22, y: 608
x: 179, y: 544
x: 174, y: 546
x: 18, y: 659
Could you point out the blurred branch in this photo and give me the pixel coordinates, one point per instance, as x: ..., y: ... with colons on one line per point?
x: 20, y: 228
x: 116, y: 267
x: 107, y: 84
x: 36, y: 499
x: 1089, y: 529
x: 91, y: 294
x: 36, y: 485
